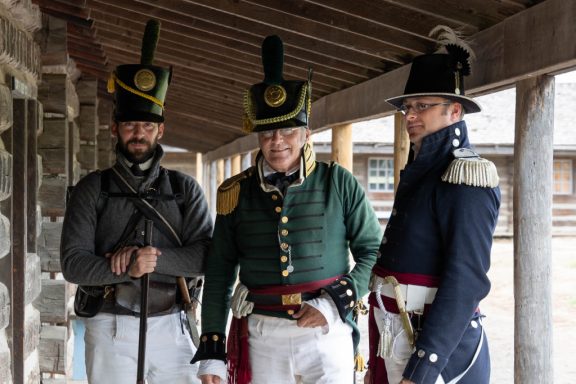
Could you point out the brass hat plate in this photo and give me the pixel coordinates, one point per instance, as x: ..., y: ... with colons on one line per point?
x: 275, y: 95
x: 145, y: 80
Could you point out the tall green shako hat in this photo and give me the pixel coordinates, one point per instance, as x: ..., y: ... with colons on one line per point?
x: 140, y: 89
x: 275, y: 102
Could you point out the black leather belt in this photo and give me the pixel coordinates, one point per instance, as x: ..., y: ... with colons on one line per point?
x: 119, y: 310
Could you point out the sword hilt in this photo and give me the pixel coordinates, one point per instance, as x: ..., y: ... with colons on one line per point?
x: 404, y: 317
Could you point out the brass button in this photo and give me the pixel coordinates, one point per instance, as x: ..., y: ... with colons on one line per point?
x: 215, y: 337
x: 284, y: 219
x: 343, y: 282
x: 352, y: 304
x: 285, y: 273
x: 204, y: 338
x: 284, y: 259
x: 349, y: 292
x: 284, y: 232
x: 290, y: 312
x: 421, y: 353
x: 278, y: 209
x: 274, y: 197
x: 284, y: 246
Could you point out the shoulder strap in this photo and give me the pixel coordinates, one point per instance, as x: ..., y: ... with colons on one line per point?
x: 147, y: 209
x: 104, y: 190
x: 176, y: 191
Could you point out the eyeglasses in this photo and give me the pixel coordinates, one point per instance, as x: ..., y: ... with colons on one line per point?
x: 419, y: 107
x: 284, y: 132
x: 129, y: 126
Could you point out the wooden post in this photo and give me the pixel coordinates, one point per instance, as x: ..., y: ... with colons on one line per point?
x: 213, y: 187
x: 32, y: 175
x: 219, y: 172
x: 227, y: 168
x: 401, y: 146
x: 246, y: 160
x: 533, y: 166
x: 19, y: 236
x: 236, y: 165
x: 342, y: 145
x: 199, y: 169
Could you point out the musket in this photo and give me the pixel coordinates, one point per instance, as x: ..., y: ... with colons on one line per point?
x: 144, y: 284
x: 404, y: 317
x: 190, y: 305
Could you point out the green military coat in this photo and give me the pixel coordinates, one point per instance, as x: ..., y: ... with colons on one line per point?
x: 259, y: 233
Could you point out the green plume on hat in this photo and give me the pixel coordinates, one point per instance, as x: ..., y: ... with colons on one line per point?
x: 273, y: 59
x: 149, y: 41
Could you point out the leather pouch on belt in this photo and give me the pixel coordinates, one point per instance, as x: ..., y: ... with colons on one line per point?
x: 88, y: 301
x: 161, y: 296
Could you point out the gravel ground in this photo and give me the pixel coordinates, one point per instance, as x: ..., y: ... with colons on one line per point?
x: 499, y: 310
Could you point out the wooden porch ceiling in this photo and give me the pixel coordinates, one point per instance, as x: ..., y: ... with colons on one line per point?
x: 214, y: 47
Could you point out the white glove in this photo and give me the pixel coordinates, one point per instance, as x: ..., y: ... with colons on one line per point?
x: 240, y: 306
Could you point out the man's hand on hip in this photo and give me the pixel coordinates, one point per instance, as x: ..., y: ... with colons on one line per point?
x: 309, y: 317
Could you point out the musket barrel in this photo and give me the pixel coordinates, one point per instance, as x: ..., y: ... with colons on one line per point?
x: 144, y: 284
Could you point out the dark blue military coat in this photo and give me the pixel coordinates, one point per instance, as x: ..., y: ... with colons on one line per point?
x: 443, y: 230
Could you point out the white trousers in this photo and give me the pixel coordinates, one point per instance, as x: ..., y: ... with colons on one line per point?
x: 112, y: 350
x: 283, y: 353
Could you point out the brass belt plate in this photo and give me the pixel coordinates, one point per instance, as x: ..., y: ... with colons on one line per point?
x: 292, y: 299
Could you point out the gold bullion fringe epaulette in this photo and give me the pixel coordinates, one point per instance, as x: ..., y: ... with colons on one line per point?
x: 309, y: 159
x: 229, y: 192
x: 470, y: 169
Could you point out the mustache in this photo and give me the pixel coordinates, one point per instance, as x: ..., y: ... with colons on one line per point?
x: 137, y: 141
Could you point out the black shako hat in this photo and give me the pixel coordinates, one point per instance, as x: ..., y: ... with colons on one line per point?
x: 441, y: 74
x: 275, y: 102
x: 140, y: 89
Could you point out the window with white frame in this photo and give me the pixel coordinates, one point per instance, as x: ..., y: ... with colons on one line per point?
x: 563, y: 177
x: 381, y: 174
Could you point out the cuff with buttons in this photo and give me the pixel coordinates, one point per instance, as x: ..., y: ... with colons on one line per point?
x: 343, y: 293
x: 424, y: 366
x: 212, y: 346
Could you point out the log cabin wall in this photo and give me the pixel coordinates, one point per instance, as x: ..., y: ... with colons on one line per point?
x: 68, y: 148
x: 19, y: 167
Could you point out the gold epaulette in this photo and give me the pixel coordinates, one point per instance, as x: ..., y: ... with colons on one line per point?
x: 309, y: 158
x: 229, y: 192
x: 470, y: 169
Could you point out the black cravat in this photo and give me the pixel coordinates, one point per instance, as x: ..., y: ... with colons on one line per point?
x: 136, y: 171
x: 280, y: 180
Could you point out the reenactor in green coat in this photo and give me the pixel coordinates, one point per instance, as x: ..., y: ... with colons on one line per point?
x: 286, y: 228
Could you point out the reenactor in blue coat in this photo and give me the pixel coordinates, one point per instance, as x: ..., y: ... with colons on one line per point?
x: 286, y: 228
x: 430, y: 275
